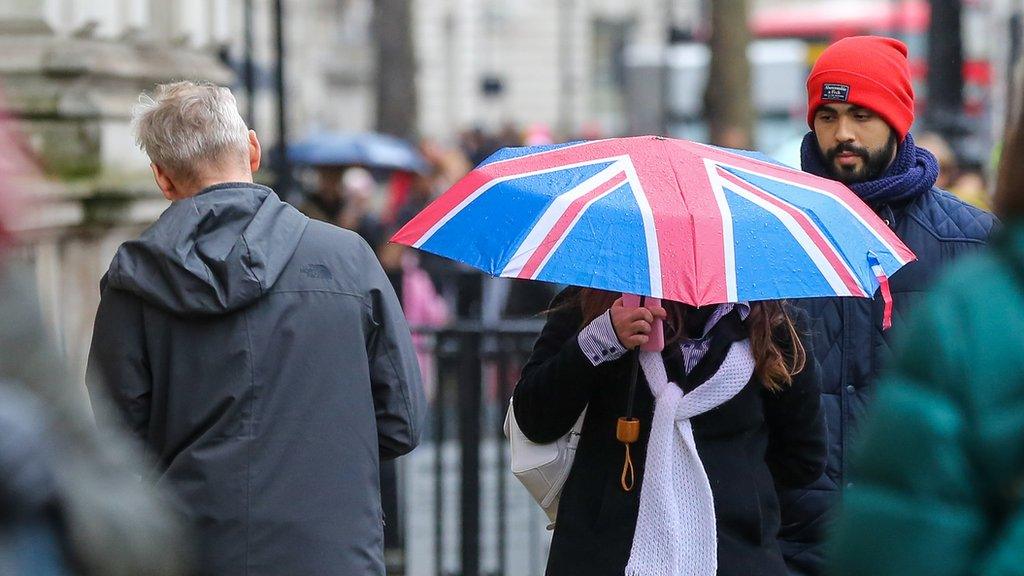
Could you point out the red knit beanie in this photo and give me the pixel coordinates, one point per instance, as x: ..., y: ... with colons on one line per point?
x: 868, y: 71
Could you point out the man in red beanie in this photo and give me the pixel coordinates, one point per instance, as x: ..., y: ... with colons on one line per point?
x: 860, y: 107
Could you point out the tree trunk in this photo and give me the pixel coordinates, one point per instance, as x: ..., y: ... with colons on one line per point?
x: 728, y: 107
x: 945, y: 71
x: 396, y: 68
x: 396, y: 115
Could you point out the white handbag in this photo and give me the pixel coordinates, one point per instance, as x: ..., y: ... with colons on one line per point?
x: 542, y: 468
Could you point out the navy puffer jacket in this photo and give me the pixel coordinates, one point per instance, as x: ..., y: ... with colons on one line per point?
x: 851, y: 348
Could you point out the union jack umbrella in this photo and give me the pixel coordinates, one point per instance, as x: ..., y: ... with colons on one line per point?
x: 663, y: 218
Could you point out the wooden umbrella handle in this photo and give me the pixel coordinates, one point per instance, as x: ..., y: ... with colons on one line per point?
x: 627, y: 431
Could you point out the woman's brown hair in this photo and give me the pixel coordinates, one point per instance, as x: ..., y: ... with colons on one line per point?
x: 775, y: 342
x: 1009, y: 196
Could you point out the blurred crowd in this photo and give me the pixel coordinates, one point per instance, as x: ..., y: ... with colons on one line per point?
x: 967, y: 181
x: 376, y: 203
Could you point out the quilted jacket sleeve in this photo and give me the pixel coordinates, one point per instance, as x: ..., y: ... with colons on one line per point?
x: 796, y: 424
x: 918, y: 504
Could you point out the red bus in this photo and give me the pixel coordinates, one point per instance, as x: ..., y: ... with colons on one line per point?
x: 822, y: 22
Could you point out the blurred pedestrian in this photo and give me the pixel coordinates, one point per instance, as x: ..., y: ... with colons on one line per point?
x: 71, y: 502
x: 343, y: 197
x: 324, y: 202
x: 763, y: 427
x: 860, y: 106
x: 262, y: 357
x: 538, y: 134
x: 967, y: 185
x: 358, y: 189
x: 528, y: 298
x: 970, y: 186
x: 70, y: 497
x: 450, y: 164
x: 511, y: 135
x: 477, y: 145
x: 939, y: 466
x: 949, y: 167
x: 422, y: 190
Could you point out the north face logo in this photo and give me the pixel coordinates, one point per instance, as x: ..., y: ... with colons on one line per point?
x: 836, y: 92
x: 317, y: 271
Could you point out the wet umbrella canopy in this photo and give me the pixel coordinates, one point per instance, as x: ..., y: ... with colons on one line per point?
x: 659, y: 217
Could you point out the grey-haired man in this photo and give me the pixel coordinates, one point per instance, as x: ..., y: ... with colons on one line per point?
x: 262, y: 357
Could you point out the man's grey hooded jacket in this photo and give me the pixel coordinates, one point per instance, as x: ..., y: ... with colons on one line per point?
x: 265, y: 360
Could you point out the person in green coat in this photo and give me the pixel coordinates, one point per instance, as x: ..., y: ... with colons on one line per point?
x: 939, y: 473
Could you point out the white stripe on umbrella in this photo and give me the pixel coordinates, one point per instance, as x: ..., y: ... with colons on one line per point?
x: 480, y: 191
x: 836, y: 254
x: 816, y: 255
x: 728, y: 243
x: 830, y: 195
x: 553, y: 214
x: 650, y: 232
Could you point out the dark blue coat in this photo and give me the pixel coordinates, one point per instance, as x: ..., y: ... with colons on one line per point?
x: 851, y: 348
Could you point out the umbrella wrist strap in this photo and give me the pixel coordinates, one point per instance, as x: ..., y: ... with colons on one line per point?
x: 887, y: 301
x: 883, y: 287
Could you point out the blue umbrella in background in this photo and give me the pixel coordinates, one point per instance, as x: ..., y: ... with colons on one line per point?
x: 369, y: 149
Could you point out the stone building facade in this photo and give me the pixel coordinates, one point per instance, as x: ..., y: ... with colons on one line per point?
x: 72, y: 70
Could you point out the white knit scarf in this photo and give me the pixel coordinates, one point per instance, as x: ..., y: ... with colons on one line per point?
x: 675, y: 529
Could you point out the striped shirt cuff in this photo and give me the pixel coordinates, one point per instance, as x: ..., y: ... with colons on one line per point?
x: 599, y: 342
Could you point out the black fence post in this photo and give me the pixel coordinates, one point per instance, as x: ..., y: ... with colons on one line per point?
x: 440, y: 399
x: 469, y: 434
x: 507, y: 346
x: 462, y: 351
x: 283, y: 168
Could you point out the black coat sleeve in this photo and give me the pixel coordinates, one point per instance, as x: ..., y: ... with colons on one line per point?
x: 557, y: 380
x: 118, y: 366
x: 797, y: 446
x: 399, y: 402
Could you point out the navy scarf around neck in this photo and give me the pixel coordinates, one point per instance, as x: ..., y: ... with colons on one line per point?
x: 912, y: 173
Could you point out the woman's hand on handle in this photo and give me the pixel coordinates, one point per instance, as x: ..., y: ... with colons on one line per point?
x: 633, y: 325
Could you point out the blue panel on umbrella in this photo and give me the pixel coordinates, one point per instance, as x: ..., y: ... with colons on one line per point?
x: 487, y: 232
x: 519, y: 152
x: 846, y: 233
x: 769, y: 260
x: 606, y: 248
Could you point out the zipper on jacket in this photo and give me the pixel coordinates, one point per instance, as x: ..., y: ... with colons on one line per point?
x: 887, y: 215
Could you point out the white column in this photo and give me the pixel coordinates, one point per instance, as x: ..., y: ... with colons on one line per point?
x: 135, y: 15
x: 222, y: 27
x: 32, y: 14
x: 96, y: 18
x: 192, y: 19
x: 466, y: 67
x: 162, y: 22
x: 29, y: 10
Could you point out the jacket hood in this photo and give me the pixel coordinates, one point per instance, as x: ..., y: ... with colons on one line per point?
x: 213, y: 253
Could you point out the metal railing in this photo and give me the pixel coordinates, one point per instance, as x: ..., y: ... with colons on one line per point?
x: 471, y: 370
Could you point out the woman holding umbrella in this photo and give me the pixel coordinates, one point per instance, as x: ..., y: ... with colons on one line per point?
x: 762, y: 428
x: 730, y: 408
